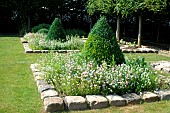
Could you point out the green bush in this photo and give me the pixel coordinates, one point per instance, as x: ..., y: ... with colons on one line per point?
x: 76, y: 32
x: 56, y: 31
x: 101, y: 44
x: 45, y: 31
x: 40, y: 26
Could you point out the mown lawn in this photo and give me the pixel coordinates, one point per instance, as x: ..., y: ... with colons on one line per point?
x: 18, y: 89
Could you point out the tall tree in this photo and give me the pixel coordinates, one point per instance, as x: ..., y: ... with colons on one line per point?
x: 151, y: 5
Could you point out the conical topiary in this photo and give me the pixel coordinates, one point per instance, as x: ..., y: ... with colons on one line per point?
x: 56, y: 31
x: 102, y: 45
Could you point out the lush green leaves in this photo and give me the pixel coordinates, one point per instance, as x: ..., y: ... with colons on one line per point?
x: 101, y: 44
x: 56, y: 31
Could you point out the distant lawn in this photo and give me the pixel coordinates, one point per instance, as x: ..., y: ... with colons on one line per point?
x: 18, y: 89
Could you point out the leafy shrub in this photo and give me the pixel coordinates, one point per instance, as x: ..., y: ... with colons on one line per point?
x: 40, y: 26
x: 37, y: 41
x: 101, y: 44
x: 45, y: 31
x: 56, y: 31
x: 71, y: 74
x: 76, y: 32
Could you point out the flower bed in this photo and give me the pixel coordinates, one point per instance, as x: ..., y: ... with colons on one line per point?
x: 37, y: 41
x: 71, y: 74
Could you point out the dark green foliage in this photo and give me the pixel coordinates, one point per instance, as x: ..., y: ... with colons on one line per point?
x: 40, y: 26
x: 56, y: 31
x: 76, y: 32
x: 45, y: 31
x: 101, y: 44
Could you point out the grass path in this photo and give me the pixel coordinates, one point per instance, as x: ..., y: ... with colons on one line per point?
x: 18, y: 92
x: 18, y: 89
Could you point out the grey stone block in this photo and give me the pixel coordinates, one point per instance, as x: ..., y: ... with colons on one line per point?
x: 34, y: 68
x: 75, y: 103
x: 53, y: 104
x: 43, y: 86
x: 97, y: 101
x: 29, y: 51
x: 116, y: 100
x: 132, y: 98
x: 48, y: 93
x: 163, y: 94
x: 150, y: 97
x: 37, y: 51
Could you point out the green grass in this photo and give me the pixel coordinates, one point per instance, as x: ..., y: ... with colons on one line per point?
x: 18, y: 88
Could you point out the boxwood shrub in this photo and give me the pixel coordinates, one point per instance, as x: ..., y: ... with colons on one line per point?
x: 102, y: 45
x: 56, y: 31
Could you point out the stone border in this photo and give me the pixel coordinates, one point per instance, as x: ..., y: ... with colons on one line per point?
x: 53, y: 102
x: 124, y: 49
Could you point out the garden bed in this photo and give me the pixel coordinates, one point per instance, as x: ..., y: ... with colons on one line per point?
x: 124, y: 48
x: 53, y: 102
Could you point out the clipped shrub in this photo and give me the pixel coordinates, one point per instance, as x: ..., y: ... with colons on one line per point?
x: 44, y: 31
x: 40, y: 26
x: 56, y: 31
x: 76, y: 32
x: 102, y: 45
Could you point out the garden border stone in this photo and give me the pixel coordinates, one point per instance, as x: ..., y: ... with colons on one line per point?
x: 124, y: 49
x: 75, y: 103
x: 53, y: 102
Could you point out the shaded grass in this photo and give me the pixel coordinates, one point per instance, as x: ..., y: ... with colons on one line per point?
x: 18, y: 89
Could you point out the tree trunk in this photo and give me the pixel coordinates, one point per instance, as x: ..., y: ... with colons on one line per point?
x: 29, y: 23
x: 91, y: 22
x: 118, y: 29
x: 140, y: 31
x: 157, y: 38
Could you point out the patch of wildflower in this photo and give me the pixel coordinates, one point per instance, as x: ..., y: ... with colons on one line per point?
x: 71, y: 74
x: 37, y: 41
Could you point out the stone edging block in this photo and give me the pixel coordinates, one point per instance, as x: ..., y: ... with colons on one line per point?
x: 132, y: 98
x: 150, y: 97
x: 163, y: 94
x: 97, y: 101
x: 116, y: 100
x: 75, y: 103
x: 53, y: 104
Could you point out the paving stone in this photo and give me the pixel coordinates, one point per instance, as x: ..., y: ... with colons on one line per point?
x: 37, y: 51
x: 97, y: 101
x: 34, y: 68
x: 167, y: 70
x: 62, y: 51
x: 150, y: 97
x: 38, y: 74
x: 76, y: 51
x: 75, y: 103
x: 23, y: 40
x: 38, y: 78
x: 48, y: 93
x: 163, y: 94
x: 116, y: 100
x: 53, y: 104
x: 132, y: 98
x: 44, y: 51
x: 43, y: 86
x: 29, y: 51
